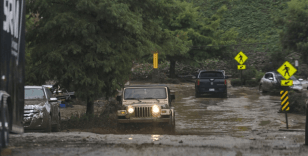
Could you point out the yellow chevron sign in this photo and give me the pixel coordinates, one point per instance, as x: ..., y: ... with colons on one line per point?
x: 286, y: 82
x: 241, y: 67
x: 284, y: 100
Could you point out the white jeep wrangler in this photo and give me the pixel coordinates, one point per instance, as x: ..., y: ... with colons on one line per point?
x: 146, y: 104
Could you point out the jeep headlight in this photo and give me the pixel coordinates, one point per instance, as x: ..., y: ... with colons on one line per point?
x: 155, y: 110
x: 130, y: 109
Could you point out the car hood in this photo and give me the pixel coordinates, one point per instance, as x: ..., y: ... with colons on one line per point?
x: 296, y: 82
x: 36, y: 105
x: 35, y: 101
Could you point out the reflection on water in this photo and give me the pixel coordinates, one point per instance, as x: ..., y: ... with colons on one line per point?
x: 155, y: 137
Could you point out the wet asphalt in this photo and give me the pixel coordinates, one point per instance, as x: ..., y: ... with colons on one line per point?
x: 245, y: 123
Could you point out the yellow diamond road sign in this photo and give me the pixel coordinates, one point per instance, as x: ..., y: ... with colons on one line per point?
x: 241, y: 57
x: 286, y: 70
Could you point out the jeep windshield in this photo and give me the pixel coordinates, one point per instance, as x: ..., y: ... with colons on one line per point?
x: 145, y: 93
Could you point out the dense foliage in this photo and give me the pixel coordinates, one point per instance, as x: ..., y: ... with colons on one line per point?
x: 92, y: 43
x: 294, y: 35
x: 199, y: 34
x: 252, y: 19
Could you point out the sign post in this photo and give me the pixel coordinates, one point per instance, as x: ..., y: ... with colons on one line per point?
x: 241, y: 58
x: 286, y: 70
x: 306, y: 126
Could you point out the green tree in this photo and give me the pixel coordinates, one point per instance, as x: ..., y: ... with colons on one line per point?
x: 91, y: 43
x: 202, y: 33
x: 294, y: 35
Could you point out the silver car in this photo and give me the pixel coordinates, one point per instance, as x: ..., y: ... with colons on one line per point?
x: 271, y: 80
x: 41, y: 110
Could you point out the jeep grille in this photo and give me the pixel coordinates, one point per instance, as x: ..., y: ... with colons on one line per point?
x: 143, y: 111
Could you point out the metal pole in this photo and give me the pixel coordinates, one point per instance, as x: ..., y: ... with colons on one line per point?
x: 287, y: 119
x: 241, y: 79
x: 306, y: 126
x: 286, y: 111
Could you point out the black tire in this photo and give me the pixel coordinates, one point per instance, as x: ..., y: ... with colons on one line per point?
x: 48, y: 124
x: 261, y: 89
x: 57, y: 128
x: 5, y: 131
x: 197, y: 95
x: 170, y: 127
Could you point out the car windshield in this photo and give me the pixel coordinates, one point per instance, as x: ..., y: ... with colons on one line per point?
x: 34, y: 93
x: 211, y: 75
x: 145, y: 93
x: 279, y: 77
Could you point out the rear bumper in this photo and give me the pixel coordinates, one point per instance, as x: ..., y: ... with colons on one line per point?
x: 144, y: 120
x: 203, y: 90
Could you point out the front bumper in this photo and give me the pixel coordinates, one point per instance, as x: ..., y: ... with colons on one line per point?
x: 35, y: 122
x: 125, y: 117
x: 144, y: 120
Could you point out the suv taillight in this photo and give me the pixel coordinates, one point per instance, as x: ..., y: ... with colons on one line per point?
x: 198, y: 82
x: 225, y: 82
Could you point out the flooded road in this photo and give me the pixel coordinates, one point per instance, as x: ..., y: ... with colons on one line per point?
x: 245, y: 110
x: 245, y: 123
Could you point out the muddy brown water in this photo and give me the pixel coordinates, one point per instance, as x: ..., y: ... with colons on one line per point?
x: 245, y: 110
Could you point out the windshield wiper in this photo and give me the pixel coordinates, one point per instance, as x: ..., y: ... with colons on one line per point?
x: 133, y: 99
x: 152, y: 98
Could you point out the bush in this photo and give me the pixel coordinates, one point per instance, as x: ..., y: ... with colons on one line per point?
x: 251, y: 83
x: 259, y: 75
x: 235, y: 82
x: 297, y: 102
x: 248, y: 74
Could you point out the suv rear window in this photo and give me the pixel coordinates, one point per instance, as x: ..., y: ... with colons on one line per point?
x: 211, y: 75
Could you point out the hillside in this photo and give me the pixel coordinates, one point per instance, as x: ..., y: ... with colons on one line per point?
x: 253, y: 19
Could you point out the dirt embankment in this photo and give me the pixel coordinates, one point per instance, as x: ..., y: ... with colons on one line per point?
x: 74, y: 116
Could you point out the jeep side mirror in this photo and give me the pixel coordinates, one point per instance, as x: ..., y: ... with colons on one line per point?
x: 226, y: 77
x: 119, y: 98
x: 172, y: 97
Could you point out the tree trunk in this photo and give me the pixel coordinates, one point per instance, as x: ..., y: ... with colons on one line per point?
x: 172, y: 68
x: 90, y: 106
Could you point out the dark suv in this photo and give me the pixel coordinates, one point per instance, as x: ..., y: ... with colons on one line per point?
x: 211, y: 82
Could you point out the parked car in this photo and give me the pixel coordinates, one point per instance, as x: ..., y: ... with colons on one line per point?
x: 41, y: 110
x: 146, y: 104
x: 211, y: 82
x: 271, y: 80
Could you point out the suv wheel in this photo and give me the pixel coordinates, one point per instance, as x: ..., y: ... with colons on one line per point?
x: 197, y: 95
x: 48, y: 124
x: 261, y: 89
x: 57, y: 128
x: 4, y: 121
